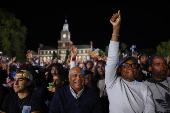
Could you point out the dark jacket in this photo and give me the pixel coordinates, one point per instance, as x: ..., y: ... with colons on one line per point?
x: 64, y: 102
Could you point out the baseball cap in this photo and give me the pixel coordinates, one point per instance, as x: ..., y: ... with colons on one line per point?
x: 25, y: 74
x: 127, y: 58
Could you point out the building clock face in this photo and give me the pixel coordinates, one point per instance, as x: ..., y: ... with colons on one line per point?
x: 64, y: 35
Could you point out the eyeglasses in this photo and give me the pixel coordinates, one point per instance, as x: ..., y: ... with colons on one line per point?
x: 127, y: 65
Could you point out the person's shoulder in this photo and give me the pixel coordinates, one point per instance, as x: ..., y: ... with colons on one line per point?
x: 35, y: 94
x: 63, y: 89
x: 168, y: 78
x: 12, y: 94
x: 149, y: 81
x: 144, y: 88
x: 90, y: 90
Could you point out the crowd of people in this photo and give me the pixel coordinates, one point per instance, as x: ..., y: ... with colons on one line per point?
x: 103, y: 85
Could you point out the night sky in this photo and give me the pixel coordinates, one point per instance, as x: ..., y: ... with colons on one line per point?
x: 142, y: 25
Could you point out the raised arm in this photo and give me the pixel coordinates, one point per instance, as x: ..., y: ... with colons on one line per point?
x: 115, y: 21
x: 30, y: 57
x: 94, y: 56
x: 112, y: 60
x: 73, y: 56
x: 10, y: 62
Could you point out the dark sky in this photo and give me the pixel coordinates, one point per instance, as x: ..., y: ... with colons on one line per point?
x: 142, y: 25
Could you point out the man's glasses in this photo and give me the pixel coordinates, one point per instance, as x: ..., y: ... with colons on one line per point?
x: 127, y: 65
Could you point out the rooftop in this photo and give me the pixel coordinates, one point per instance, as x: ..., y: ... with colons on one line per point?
x: 82, y: 46
x: 47, y: 48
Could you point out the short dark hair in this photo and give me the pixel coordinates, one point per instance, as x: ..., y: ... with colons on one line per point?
x: 61, y: 73
x: 153, y: 57
x: 89, y: 72
x: 90, y: 62
x: 31, y: 87
x: 142, y: 55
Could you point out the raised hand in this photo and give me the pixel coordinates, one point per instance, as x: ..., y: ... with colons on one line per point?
x: 29, y: 54
x: 12, y: 60
x: 104, y: 57
x: 55, y: 61
x: 167, y: 59
x: 68, y: 60
x: 116, y: 19
x: 73, y: 51
x: 92, y: 54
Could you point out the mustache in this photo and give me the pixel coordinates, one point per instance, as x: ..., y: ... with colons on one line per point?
x: 78, y: 81
x: 164, y: 71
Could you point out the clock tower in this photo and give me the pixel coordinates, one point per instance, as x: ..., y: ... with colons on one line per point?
x: 64, y: 43
x: 65, y: 34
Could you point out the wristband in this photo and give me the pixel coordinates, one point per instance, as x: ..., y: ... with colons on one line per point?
x: 73, y: 58
x: 96, y: 60
x: 115, y: 35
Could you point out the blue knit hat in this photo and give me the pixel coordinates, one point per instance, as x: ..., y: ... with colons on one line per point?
x: 123, y: 60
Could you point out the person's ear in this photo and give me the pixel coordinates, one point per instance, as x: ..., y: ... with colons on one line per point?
x: 68, y: 77
x: 28, y: 83
x: 62, y: 83
x: 150, y: 68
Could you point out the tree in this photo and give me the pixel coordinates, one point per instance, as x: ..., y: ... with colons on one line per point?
x: 123, y: 46
x: 147, y: 51
x: 127, y: 52
x: 101, y: 52
x: 163, y: 48
x: 67, y: 54
x: 12, y: 35
x: 55, y: 56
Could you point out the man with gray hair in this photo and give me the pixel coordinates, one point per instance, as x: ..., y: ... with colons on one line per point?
x: 75, y: 97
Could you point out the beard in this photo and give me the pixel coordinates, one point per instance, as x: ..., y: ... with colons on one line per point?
x: 162, y: 74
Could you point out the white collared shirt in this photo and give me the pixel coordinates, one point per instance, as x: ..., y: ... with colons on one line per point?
x: 76, y: 96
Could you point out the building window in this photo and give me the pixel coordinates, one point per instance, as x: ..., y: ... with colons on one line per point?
x: 51, y: 52
x: 62, y: 52
x: 44, y: 59
x: 56, y: 52
x: 48, y: 52
x: 79, y: 51
x: 88, y: 57
x: 44, y: 52
x: 84, y: 59
x: 40, y: 52
x: 84, y: 51
x: 63, y: 44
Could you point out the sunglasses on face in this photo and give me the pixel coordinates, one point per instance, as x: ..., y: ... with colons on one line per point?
x: 127, y: 65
